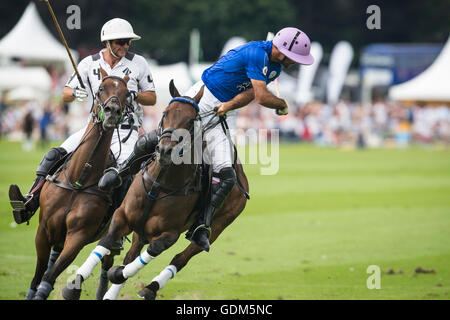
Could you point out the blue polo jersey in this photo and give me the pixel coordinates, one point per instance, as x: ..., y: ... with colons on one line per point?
x: 232, y: 73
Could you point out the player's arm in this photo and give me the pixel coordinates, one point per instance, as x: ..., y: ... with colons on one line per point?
x: 146, y: 98
x: 146, y: 94
x: 67, y: 94
x: 265, y: 98
x: 239, y: 101
x: 73, y: 89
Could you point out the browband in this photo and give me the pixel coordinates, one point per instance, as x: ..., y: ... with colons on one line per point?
x: 186, y: 100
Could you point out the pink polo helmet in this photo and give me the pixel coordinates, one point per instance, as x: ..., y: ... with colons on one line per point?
x: 294, y: 44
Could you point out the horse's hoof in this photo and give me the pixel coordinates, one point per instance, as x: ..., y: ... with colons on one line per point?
x: 115, y: 274
x: 147, y: 294
x: 43, y: 291
x: 71, y: 293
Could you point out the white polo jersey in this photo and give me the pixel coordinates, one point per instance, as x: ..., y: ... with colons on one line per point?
x: 132, y: 64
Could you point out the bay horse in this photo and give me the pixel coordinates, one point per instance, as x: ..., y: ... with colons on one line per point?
x: 159, y: 206
x: 72, y: 206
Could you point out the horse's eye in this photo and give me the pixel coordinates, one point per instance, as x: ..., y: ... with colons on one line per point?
x: 100, y: 89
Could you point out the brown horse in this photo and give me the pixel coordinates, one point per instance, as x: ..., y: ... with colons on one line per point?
x: 159, y: 204
x: 72, y: 206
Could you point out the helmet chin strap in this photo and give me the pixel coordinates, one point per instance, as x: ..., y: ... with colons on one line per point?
x: 110, y: 51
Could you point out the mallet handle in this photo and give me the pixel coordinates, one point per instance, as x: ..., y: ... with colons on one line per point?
x: 64, y: 42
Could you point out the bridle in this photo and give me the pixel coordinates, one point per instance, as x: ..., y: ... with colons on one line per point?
x: 99, y: 117
x: 167, y: 132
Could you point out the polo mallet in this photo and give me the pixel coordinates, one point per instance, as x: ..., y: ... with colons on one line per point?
x: 269, y: 37
x: 64, y: 42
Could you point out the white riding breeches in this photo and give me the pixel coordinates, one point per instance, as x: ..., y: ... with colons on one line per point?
x: 120, y: 150
x: 219, y: 146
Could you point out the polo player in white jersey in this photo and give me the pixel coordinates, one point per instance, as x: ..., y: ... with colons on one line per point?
x: 117, y: 35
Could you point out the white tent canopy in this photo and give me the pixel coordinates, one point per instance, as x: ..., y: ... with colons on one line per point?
x: 36, y: 77
x: 30, y: 40
x: 162, y: 74
x: 431, y: 85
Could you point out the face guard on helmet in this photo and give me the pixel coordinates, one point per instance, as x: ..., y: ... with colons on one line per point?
x: 294, y: 44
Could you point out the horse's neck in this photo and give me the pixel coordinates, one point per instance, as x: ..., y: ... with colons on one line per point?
x: 89, y: 151
x: 175, y: 176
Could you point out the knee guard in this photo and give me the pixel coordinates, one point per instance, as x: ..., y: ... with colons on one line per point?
x: 146, y: 143
x: 49, y: 160
x: 144, y: 146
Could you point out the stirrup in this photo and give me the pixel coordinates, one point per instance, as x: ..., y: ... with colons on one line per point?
x: 18, y: 203
x: 190, y: 234
x: 201, y: 242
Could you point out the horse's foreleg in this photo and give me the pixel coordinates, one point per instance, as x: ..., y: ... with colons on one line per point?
x: 118, y: 275
x: 118, y: 229
x: 182, y: 258
x: 75, y: 241
x: 134, y: 251
x: 107, y: 263
x: 43, y: 253
x: 54, y: 254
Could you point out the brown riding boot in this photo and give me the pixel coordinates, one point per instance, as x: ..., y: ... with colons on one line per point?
x: 25, y: 207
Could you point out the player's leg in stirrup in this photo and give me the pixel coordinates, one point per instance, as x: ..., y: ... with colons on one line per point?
x: 24, y: 207
x: 145, y: 145
x: 200, y: 232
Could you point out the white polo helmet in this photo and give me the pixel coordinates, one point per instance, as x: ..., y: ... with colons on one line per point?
x: 117, y: 29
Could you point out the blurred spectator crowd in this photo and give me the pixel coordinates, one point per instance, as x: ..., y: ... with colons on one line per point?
x: 346, y: 124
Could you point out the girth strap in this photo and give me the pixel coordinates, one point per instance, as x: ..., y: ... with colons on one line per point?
x: 152, y: 195
x: 89, y: 189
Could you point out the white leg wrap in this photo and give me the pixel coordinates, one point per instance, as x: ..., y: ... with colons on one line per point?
x: 113, y: 292
x: 94, y: 258
x: 168, y: 273
x: 132, y: 268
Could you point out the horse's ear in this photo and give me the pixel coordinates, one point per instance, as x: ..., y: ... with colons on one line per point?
x: 103, y: 73
x: 126, y: 78
x: 173, y: 91
x: 199, y: 94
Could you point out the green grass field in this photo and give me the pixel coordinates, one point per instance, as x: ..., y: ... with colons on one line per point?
x: 308, y: 232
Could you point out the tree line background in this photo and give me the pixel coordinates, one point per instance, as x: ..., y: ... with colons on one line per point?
x: 165, y: 25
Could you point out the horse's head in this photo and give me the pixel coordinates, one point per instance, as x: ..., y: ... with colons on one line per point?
x: 111, y: 100
x: 181, y: 113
